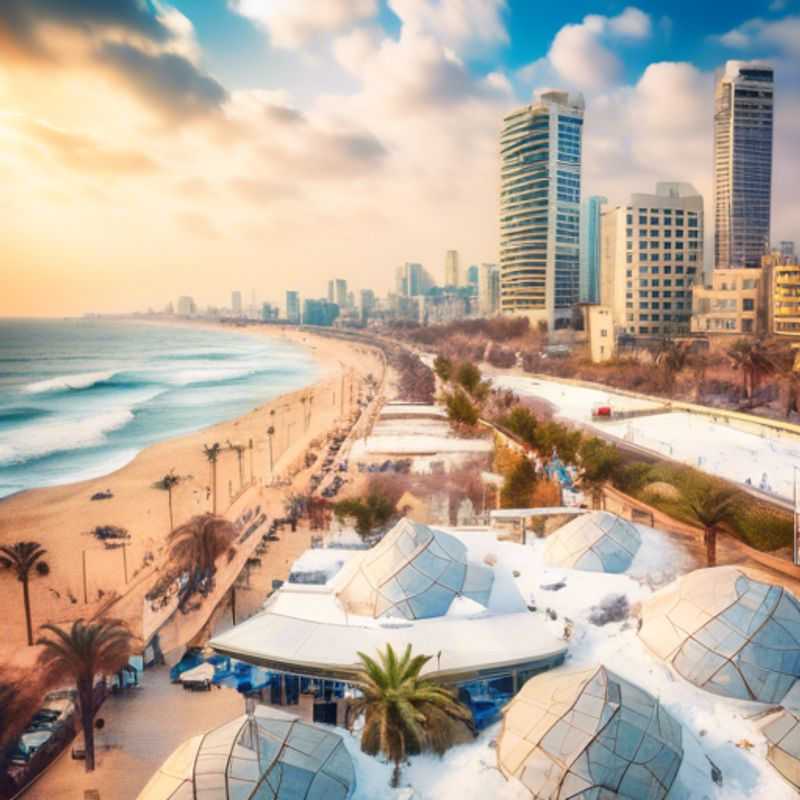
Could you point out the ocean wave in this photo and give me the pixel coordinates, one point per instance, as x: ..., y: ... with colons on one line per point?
x: 207, y: 356
x: 202, y: 377
x: 67, y: 383
x: 22, y: 414
x: 45, y: 438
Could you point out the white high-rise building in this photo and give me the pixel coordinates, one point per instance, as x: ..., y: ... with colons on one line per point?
x: 743, y: 121
x: 236, y: 303
x: 488, y: 289
x: 652, y: 254
x: 452, y: 275
x: 540, y: 195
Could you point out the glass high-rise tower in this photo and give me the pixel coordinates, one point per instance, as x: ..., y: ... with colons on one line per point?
x: 590, y: 249
x: 743, y: 121
x: 540, y: 155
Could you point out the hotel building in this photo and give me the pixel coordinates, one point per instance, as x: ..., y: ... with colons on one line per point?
x: 540, y: 154
x: 652, y: 254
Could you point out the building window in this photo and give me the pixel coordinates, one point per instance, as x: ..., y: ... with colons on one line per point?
x: 748, y: 304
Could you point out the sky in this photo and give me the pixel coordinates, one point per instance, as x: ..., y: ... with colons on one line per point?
x: 151, y: 149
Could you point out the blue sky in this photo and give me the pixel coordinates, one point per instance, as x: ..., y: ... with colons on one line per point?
x: 153, y: 148
x: 238, y: 51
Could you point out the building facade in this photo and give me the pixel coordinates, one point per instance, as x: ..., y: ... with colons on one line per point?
x: 488, y: 290
x: 743, y: 124
x: 293, y: 307
x: 186, y: 306
x: 540, y: 160
x: 590, y: 249
x: 652, y: 254
x: 412, y: 280
x: 320, y: 312
x: 236, y: 303
x: 783, y: 282
x: 734, y: 302
x: 452, y: 275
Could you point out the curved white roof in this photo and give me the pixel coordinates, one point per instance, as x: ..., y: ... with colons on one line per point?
x: 596, y: 542
x: 269, y: 756
x: 415, y: 572
x: 589, y: 733
x: 727, y: 632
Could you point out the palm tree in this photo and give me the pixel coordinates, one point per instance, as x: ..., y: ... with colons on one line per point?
x: 710, y: 507
x: 784, y: 361
x: 22, y: 557
x: 83, y: 652
x: 196, y: 545
x: 755, y: 362
x: 270, y: 434
x: 403, y: 713
x: 239, y: 448
x: 600, y: 463
x: 699, y: 363
x: 212, y: 454
x: 672, y: 358
x: 169, y: 482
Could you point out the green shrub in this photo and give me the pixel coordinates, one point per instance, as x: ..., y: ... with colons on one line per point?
x: 518, y: 486
x: 460, y: 408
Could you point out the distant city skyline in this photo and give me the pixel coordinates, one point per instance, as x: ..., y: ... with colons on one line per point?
x: 152, y: 151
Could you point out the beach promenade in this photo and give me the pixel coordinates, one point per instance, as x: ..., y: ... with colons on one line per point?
x: 89, y: 579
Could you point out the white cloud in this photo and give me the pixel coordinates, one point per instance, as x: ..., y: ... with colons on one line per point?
x: 463, y: 25
x: 581, y: 55
x: 292, y: 23
x: 783, y: 34
x: 632, y: 23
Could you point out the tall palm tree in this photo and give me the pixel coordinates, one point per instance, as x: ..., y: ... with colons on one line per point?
x: 600, y: 463
x: 169, y: 482
x: 672, y: 358
x: 84, y: 651
x: 710, y: 507
x: 403, y: 713
x: 785, y: 363
x: 270, y: 434
x: 239, y: 448
x: 212, y: 454
x: 699, y: 363
x: 21, y: 558
x: 754, y: 360
x: 196, y: 545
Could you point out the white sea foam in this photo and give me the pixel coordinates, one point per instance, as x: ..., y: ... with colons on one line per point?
x: 188, y: 377
x: 78, y: 381
x: 55, y: 436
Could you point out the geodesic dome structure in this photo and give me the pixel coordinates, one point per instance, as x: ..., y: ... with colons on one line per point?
x: 596, y: 542
x: 782, y: 732
x: 415, y: 572
x: 269, y: 756
x: 725, y: 631
x: 589, y: 734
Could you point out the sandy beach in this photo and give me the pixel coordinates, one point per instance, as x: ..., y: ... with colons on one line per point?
x: 87, y: 578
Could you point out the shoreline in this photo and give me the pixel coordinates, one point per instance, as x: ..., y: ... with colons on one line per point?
x: 86, y: 576
x: 282, y: 335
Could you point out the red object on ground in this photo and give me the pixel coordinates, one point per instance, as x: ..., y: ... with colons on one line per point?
x: 603, y: 411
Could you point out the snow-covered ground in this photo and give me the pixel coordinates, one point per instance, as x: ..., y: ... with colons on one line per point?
x: 767, y: 461
x: 712, y: 726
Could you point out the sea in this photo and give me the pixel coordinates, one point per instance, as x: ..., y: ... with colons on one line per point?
x: 79, y: 398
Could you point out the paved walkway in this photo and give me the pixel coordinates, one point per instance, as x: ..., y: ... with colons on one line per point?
x: 151, y: 721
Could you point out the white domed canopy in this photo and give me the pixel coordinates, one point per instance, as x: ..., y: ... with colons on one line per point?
x: 782, y: 731
x: 589, y: 733
x: 727, y: 632
x: 596, y: 542
x: 270, y: 756
x: 415, y: 572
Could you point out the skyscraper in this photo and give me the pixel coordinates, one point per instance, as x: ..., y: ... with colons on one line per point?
x: 540, y: 155
x: 451, y: 271
x: 340, y: 297
x: 472, y: 275
x: 412, y: 279
x: 743, y: 117
x: 488, y: 289
x: 590, y: 249
x: 236, y: 303
x: 293, y: 307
